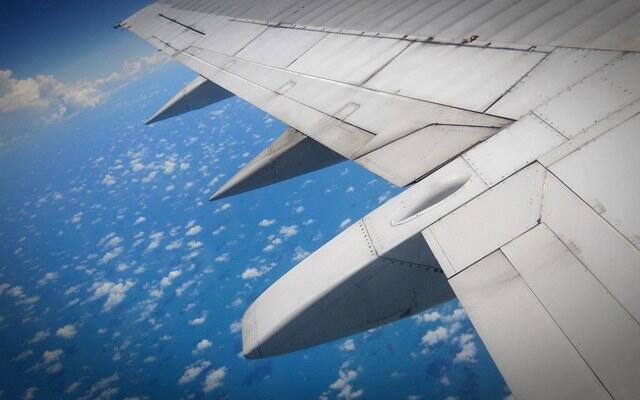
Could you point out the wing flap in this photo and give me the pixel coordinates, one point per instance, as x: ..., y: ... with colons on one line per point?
x: 525, y: 228
x: 535, y: 357
x: 199, y: 93
x: 292, y: 154
x: 610, y: 343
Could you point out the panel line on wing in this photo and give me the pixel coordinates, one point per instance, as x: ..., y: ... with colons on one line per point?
x: 327, y: 80
x: 402, y: 37
x: 549, y: 171
x: 175, y: 21
x: 486, y: 109
x: 555, y: 321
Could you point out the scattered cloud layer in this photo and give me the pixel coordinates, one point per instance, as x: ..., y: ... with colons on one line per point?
x: 60, y: 99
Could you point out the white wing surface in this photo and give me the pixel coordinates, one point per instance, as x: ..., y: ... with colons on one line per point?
x: 515, y: 126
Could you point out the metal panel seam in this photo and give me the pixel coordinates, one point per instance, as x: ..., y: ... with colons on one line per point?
x: 586, y: 267
x: 262, y: 87
x: 424, y: 267
x: 553, y: 318
x: 490, y: 253
x: 550, y: 126
x: 506, y: 92
x: 306, y: 51
x: 367, y: 238
x: 596, y: 212
x: 574, y: 84
x: 392, y: 59
x: 441, y: 250
x: 250, y: 41
x: 400, y: 37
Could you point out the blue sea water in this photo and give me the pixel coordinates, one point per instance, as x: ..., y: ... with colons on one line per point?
x: 119, y: 280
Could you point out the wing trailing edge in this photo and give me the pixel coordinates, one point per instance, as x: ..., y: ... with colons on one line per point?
x: 199, y: 93
x: 291, y: 155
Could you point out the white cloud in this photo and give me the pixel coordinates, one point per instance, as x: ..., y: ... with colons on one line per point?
x: 200, y: 320
x: 182, y: 288
x: 468, y: 349
x: 23, y: 356
x: 111, y: 254
x: 348, y: 345
x: 224, y: 257
x: 114, y: 241
x: 155, y: 237
x: 4, y: 287
x: 236, y: 303
x: 168, y: 280
x: 457, y: 315
x: 266, y: 222
x: 192, y: 371
x: 16, y: 291
x: 223, y: 207
x: 253, y: 273
x: 55, y: 368
x: 47, y: 278
x: 345, y: 222
x: 168, y: 167
x: 428, y: 316
x: 39, y: 337
x: 214, y: 379
x: 100, y: 385
x: 300, y: 254
x: 115, y: 292
x: 432, y: 337
x: 176, y: 244
x: 77, y: 217
x: 107, y: 394
x: 108, y: 180
x: 194, y: 230
x: 45, y: 92
x: 235, y: 327
x: 66, y: 332
x: 194, y: 244
x: 288, y: 231
x: 30, y: 393
x: 344, y: 384
x: 72, y: 388
x: 202, y: 346
x: 139, y: 220
x: 51, y: 356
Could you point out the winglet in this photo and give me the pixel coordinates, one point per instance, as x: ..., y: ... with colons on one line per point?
x: 292, y: 154
x: 199, y: 93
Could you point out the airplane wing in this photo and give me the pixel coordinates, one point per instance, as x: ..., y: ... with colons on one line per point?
x: 515, y: 126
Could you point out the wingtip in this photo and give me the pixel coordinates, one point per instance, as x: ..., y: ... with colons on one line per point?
x: 151, y: 120
x: 220, y: 193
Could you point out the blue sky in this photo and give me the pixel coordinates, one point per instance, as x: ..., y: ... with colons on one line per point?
x: 62, y: 58
x: 69, y: 39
